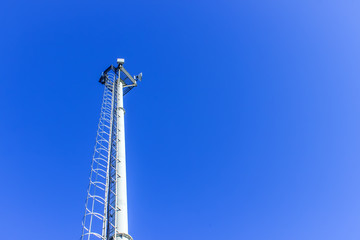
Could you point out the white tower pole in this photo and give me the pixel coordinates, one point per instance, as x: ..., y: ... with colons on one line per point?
x: 107, y: 189
x: 121, y: 213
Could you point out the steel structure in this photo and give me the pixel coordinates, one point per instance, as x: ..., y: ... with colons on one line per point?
x: 106, y: 215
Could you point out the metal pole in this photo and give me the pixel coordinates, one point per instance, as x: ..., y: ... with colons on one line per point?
x: 121, y: 215
x: 107, y: 189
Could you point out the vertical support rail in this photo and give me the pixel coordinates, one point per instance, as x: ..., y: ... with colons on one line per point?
x: 108, y: 178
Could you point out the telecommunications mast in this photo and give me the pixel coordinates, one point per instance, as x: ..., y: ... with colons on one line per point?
x: 106, y: 213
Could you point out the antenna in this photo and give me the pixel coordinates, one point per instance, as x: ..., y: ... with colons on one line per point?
x: 106, y: 213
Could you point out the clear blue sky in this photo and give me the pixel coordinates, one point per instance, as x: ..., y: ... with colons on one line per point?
x: 246, y: 125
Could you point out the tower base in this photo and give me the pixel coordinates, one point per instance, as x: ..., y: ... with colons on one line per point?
x: 122, y: 236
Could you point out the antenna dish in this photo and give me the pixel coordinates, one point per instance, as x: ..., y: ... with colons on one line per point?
x: 139, y: 77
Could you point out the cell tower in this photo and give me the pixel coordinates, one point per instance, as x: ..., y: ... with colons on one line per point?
x: 106, y: 214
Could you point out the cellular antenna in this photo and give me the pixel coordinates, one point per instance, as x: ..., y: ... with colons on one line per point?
x: 106, y: 211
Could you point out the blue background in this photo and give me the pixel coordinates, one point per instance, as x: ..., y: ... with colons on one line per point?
x: 246, y: 124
